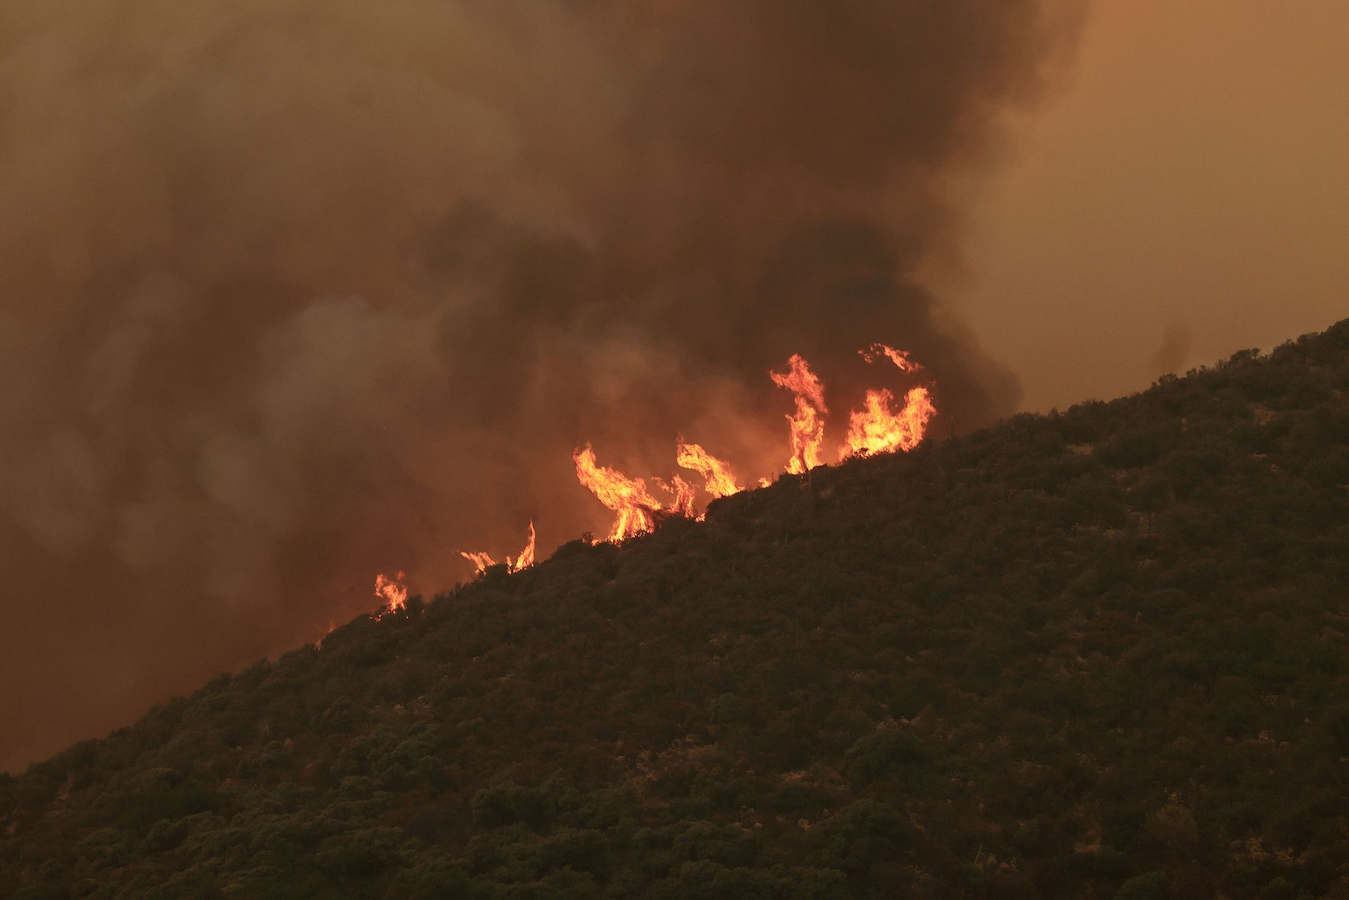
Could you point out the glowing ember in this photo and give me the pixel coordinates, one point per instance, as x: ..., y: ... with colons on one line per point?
x: 876, y: 429
x: 394, y: 592
x: 718, y: 480
x: 628, y: 497
x: 807, y: 426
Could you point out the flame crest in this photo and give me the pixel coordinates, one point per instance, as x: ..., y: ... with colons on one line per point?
x: 807, y: 425
x: 483, y: 561
x: 717, y: 477
x: 393, y: 591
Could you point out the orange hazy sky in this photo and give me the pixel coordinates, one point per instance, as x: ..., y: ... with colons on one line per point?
x: 1191, y: 176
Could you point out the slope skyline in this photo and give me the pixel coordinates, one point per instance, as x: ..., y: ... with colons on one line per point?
x: 1098, y: 653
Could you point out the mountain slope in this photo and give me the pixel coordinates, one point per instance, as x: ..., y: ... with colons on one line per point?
x: 1093, y: 654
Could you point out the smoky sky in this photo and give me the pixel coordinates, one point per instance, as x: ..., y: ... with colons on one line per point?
x: 294, y: 292
x: 1192, y: 170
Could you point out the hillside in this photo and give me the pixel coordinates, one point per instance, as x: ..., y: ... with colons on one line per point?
x: 1099, y: 653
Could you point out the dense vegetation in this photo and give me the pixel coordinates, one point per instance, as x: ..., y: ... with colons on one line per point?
x: 1094, y: 654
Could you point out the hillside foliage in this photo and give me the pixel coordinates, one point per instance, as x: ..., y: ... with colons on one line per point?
x: 1100, y: 654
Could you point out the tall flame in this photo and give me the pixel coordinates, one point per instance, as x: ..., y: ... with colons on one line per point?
x: 526, y: 557
x: 807, y: 426
x: 876, y: 429
x: 393, y: 591
x: 718, y: 480
x: 483, y: 561
x: 628, y: 497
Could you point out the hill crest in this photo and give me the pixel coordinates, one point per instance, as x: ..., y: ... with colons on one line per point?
x: 1093, y: 653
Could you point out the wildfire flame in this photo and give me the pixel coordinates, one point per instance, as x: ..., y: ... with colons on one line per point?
x: 682, y: 492
x: 393, y: 591
x: 526, y: 557
x: 718, y: 480
x: 876, y: 429
x: 899, y: 357
x: 807, y: 426
x: 636, y: 510
x: 483, y: 561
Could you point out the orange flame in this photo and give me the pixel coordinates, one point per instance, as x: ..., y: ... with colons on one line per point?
x: 899, y: 357
x: 483, y: 561
x: 878, y: 430
x: 874, y: 429
x: 807, y: 426
x: 682, y: 492
x: 628, y: 497
x: 393, y: 591
x: 718, y: 480
x: 526, y: 557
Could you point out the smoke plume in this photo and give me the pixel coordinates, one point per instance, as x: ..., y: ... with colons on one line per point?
x: 1175, y: 348
x: 294, y: 291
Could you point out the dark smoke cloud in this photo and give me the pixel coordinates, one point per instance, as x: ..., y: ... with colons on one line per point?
x: 298, y: 291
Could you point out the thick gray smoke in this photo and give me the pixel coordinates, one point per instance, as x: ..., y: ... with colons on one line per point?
x: 295, y: 291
